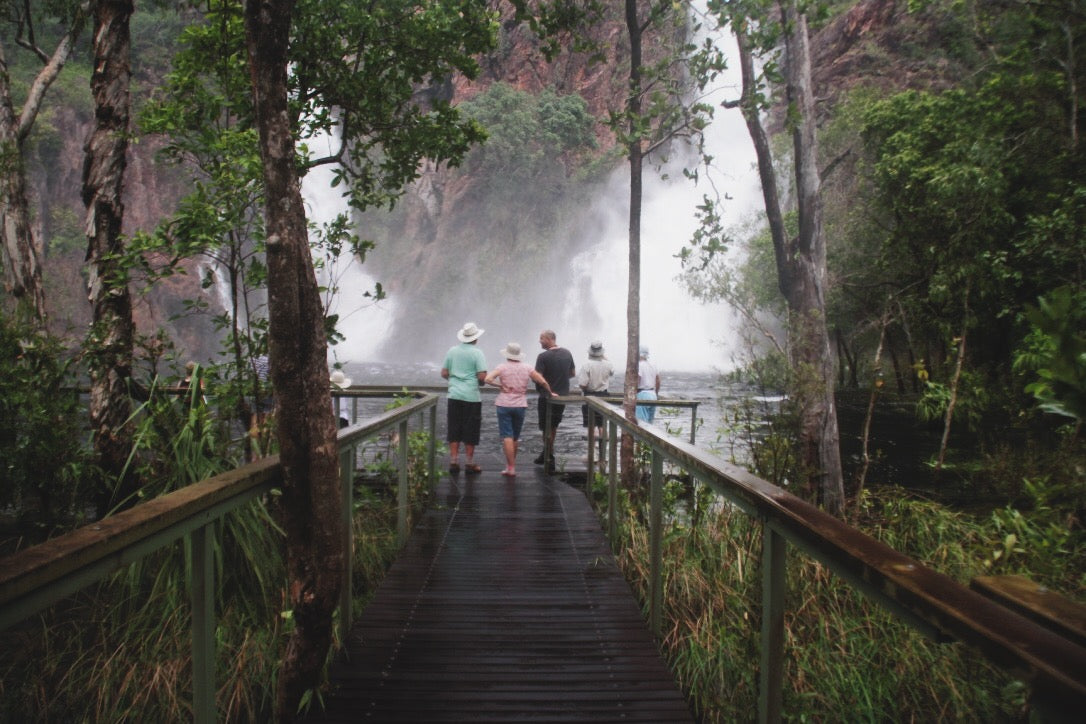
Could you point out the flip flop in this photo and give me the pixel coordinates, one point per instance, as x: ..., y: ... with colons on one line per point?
x: 472, y: 468
x: 454, y: 468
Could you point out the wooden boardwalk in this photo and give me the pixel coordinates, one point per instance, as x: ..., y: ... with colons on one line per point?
x: 505, y: 605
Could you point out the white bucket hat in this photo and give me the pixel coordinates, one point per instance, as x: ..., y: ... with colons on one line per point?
x: 340, y: 380
x: 469, y: 332
x: 512, y: 351
x: 595, y: 350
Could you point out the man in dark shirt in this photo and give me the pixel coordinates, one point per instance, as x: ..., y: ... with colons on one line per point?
x: 556, y: 365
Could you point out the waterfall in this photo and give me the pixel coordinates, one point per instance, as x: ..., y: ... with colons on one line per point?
x: 681, y: 333
x: 362, y: 320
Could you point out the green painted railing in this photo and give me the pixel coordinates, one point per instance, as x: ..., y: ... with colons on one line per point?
x: 933, y: 603
x: 34, y: 579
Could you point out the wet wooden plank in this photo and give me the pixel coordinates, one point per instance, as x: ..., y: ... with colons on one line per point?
x: 505, y: 605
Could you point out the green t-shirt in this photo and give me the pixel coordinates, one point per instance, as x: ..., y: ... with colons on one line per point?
x: 464, y: 363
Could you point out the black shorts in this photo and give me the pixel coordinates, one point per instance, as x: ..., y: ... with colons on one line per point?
x: 597, y: 418
x: 556, y: 413
x: 465, y: 419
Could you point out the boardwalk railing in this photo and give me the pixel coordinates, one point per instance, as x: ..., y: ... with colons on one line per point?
x: 36, y: 578
x: 933, y: 603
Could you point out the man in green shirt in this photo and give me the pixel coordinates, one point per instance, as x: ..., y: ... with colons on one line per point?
x: 465, y: 369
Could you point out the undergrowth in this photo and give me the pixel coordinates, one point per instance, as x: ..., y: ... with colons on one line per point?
x: 847, y: 658
x: 121, y: 650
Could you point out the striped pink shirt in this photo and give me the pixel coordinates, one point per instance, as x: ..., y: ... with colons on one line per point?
x: 513, y: 378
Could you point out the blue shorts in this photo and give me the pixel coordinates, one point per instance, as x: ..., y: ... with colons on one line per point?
x: 646, y: 412
x: 510, y: 421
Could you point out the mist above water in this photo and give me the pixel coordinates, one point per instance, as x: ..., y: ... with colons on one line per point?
x: 584, y: 297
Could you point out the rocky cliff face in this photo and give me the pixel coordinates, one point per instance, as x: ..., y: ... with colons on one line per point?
x: 151, y: 192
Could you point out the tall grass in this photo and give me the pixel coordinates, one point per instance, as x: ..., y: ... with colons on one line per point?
x: 847, y: 658
x: 121, y: 650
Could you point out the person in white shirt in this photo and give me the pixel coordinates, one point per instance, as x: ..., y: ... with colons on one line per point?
x: 648, y: 385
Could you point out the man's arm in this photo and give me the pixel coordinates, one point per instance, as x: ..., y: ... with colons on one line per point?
x: 445, y: 372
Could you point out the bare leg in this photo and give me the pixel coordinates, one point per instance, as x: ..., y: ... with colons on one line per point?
x: 454, y: 452
x: 509, y: 446
x: 469, y: 452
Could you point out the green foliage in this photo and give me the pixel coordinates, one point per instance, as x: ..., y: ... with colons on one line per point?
x: 42, y: 455
x: 527, y: 137
x: 121, y: 651
x: 1055, y: 350
x: 837, y: 638
x: 359, y: 69
x: 1042, y: 541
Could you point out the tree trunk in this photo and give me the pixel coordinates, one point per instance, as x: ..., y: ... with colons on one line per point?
x: 23, y: 269
x: 112, y: 331
x: 801, y: 262
x: 298, y: 355
x: 813, y: 353
x: 955, y: 384
x: 876, y: 388
x: 633, y: 295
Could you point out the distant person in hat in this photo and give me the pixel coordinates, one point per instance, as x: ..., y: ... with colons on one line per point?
x: 593, y: 380
x: 465, y: 369
x: 556, y: 365
x: 340, y: 381
x: 648, y: 385
x: 512, y: 376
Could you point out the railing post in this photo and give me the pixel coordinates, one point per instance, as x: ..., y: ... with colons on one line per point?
x: 346, y: 486
x: 693, y: 423
x: 401, y: 518
x: 548, y: 443
x: 431, y: 451
x: 656, y: 524
x: 203, y: 623
x: 612, y: 481
x: 770, y: 678
x: 591, y: 450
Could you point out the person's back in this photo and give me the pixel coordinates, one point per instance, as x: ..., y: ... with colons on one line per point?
x: 464, y: 362
x: 465, y: 369
x: 514, y: 376
x: 556, y: 365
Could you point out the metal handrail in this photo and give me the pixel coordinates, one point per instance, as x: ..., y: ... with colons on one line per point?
x: 36, y: 578
x: 932, y: 602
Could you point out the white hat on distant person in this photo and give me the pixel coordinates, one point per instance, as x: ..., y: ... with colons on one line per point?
x: 512, y: 351
x: 644, y: 351
x: 340, y: 380
x: 469, y: 332
x: 595, y: 350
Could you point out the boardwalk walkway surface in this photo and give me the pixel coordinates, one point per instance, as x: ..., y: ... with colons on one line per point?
x: 505, y: 605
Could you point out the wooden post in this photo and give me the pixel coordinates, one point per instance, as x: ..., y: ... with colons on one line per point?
x: 548, y: 446
x: 612, y: 481
x: 431, y: 450
x: 772, y: 648
x: 656, y: 533
x: 203, y: 624
x: 346, y: 479
x: 591, y: 450
x: 404, y: 501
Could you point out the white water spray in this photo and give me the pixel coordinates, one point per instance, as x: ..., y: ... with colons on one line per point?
x: 363, y: 321
x: 681, y: 333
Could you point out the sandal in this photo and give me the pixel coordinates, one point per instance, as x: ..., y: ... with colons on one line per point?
x: 472, y: 468
x: 454, y: 468
x: 509, y: 473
